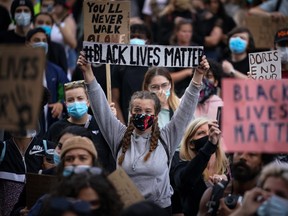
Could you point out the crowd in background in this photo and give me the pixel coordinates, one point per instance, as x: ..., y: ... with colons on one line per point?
x: 160, y: 126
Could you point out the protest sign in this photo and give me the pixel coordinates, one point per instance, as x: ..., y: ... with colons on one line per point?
x: 263, y: 29
x: 21, y: 77
x: 265, y: 65
x: 38, y: 185
x: 145, y: 55
x: 107, y: 21
x: 255, y: 115
x: 126, y: 189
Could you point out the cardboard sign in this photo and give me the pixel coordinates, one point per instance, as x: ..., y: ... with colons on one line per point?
x: 265, y: 65
x: 263, y: 29
x: 107, y: 21
x: 38, y: 185
x: 143, y: 55
x: 21, y: 78
x: 127, y: 190
x: 255, y: 115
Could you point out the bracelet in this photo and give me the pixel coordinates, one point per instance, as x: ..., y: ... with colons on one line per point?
x: 196, y: 83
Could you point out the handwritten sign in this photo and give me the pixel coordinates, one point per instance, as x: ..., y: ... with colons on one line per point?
x: 38, y: 185
x: 255, y: 115
x: 265, y: 65
x: 146, y: 55
x: 126, y: 189
x: 107, y: 21
x: 21, y: 72
x: 263, y: 29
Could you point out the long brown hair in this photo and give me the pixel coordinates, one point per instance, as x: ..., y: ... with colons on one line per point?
x: 173, y: 100
x: 126, y: 141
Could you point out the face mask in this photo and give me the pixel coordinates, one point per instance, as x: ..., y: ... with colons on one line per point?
x: 46, y: 28
x: 137, y: 41
x: 77, y: 109
x: 207, y: 90
x: 47, y: 9
x: 167, y: 93
x: 237, y: 45
x: 56, y: 158
x: 23, y: 19
x: 274, y: 206
x: 69, y: 170
x: 142, y: 121
x: 284, y: 54
x: 199, y: 143
x: 44, y: 45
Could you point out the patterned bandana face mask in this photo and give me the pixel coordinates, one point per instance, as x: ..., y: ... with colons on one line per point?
x: 142, y: 121
x: 207, y: 90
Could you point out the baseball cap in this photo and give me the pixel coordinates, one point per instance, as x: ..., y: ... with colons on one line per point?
x: 281, y: 35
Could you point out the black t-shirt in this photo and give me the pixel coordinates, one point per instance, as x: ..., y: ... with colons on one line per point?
x: 104, y: 152
x: 128, y: 79
x: 9, y: 37
x: 241, y: 66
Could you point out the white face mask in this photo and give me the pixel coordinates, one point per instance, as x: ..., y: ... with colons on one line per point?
x: 23, y: 19
x: 44, y: 45
x: 284, y: 54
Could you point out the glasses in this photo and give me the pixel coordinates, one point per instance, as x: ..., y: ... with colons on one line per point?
x: 68, y: 204
x: 70, y: 170
x: 74, y: 84
x: 165, y: 86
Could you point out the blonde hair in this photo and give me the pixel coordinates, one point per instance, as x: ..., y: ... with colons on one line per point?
x: 186, y: 154
x: 274, y: 169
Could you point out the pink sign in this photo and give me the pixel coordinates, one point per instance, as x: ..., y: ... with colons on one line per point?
x: 255, y: 115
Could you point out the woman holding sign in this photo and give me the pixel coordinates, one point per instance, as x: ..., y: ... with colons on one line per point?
x: 142, y: 149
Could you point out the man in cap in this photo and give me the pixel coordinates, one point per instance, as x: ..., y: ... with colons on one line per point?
x: 22, y: 14
x: 281, y: 44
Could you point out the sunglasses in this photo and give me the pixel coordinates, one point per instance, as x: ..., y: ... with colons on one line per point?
x: 68, y: 171
x: 69, y: 204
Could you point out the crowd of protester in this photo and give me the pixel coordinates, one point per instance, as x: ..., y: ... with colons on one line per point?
x: 160, y: 126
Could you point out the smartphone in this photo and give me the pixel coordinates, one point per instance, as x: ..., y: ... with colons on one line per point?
x: 219, y: 116
x: 49, y: 157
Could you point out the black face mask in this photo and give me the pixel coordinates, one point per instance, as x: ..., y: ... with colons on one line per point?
x: 142, y: 121
x: 199, y: 143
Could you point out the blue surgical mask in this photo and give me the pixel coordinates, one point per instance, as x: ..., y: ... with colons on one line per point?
x: 23, y: 19
x: 137, y: 41
x: 46, y: 28
x: 275, y: 205
x: 77, y: 109
x: 56, y: 158
x: 167, y: 93
x: 283, y: 54
x: 237, y: 45
x: 69, y: 170
x: 41, y: 44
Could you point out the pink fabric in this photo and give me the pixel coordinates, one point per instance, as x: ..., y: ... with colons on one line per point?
x: 209, y: 107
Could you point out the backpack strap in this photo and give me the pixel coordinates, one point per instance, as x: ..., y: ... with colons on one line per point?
x: 166, y: 149
x: 3, y: 152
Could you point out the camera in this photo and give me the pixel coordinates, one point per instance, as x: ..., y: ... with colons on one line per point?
x: 232, y: 200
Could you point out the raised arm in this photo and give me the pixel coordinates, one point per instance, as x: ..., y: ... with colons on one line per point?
x: 174, y: 130
x: 111, y: 128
